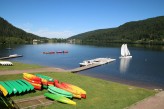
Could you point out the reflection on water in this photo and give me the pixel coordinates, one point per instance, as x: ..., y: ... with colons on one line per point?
x: 124, y: 64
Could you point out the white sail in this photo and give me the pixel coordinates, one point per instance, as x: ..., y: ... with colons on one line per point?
x: 125, y: 53
x: 123, y: 50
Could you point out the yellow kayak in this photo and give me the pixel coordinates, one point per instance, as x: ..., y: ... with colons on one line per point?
x: 4, y: 91
x: 31, y: 77
x: 78, y: 89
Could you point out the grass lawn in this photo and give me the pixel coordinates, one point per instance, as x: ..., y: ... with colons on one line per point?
x: 101, y: 94
x: 19, y: 66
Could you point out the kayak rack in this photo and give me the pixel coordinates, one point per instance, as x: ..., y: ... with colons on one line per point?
x: 33, y: 102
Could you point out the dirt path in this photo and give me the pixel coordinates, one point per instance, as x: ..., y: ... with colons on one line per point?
x: 45, y: 69
x: 154, y: 102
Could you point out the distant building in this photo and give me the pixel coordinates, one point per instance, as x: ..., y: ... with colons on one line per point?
x: 35, y: 41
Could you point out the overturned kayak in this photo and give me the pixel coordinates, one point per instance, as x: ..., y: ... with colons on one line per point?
x: 59, y: 98
x: 4, y: 91
x: 59, y: 91
x: 9, y: 90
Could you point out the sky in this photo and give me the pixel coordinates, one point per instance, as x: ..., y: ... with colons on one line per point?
x: 65, y: 18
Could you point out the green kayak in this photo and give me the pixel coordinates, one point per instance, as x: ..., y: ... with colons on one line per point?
x: 59, y: 91
x: 9, y: 90
x: 23, y: 85
x: 59, y: 98
x: 14, y: 90
x: 19, y: 90
x: 28, y: 84
x: 45, y: 77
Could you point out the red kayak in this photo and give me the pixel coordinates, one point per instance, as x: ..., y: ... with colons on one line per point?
x: 75, y: 93
x: 31, y: 81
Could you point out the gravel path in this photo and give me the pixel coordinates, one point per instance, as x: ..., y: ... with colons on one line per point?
x: 45, y: 69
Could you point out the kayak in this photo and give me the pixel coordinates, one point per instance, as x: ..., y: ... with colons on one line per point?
x: 59, y: 91
x: 37, y: 86
x: 19, y: 90
x: 83, y: 93
x: 4, y: 91
x: 14, y: 90
x: 45, y: 77
x: 59, y: 98
x: 31, y: 77
x: 9, y: 90
x: 75, y: 93
x: 31, y: 81
x: 26, y: 88
x: 28, y: 84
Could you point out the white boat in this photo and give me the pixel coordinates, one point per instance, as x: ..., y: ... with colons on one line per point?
x: 14, y: 55
x: 96, y: 61
x: 86, y: 63
x: 125, y: 53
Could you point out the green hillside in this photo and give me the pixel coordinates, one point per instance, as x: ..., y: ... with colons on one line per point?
x: 149, y: 31
x: 14, y: 35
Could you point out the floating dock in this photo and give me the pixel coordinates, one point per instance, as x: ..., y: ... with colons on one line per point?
x: 89, y: 66
x: 9, y: 57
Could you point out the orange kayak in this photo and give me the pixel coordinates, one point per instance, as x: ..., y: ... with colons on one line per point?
x: 31, y: 81
x: 78, y: 89
x: 75, y: 93
x: 31, y: 77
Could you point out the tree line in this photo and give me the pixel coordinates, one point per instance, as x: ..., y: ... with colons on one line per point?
x: 149, y: 31
x: 14, y: 35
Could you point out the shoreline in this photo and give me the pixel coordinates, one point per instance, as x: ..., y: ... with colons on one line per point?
x: 55, y: 69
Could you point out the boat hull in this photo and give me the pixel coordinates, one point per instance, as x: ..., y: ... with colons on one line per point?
x: 125, y: 57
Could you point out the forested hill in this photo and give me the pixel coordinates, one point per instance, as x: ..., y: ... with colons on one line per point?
x: 12, y: 34
x: 144, y: 31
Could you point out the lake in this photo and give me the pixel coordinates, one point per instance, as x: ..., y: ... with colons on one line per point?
x: 145, y: 69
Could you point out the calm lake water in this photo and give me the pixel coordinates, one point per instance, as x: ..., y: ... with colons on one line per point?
x: 146, y: 68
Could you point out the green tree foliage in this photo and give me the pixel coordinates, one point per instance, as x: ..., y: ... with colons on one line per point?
x: 149, y: 31
x: 11, y: 34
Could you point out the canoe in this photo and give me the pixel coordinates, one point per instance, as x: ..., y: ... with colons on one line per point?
x: 31, y: 77
x: 83, y: 93
x: 4, y: 91
x: 28, y: 84
x: 23, y: 88
x: 59, y: 98
x: 9, y: 90
x: 75, y: 93
x: 59, y: 91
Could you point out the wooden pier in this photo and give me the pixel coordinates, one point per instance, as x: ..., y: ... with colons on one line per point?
x: 88, y: 67
x: 9, y: 57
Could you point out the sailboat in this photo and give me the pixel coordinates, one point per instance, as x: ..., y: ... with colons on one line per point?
x: 125, y: 53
